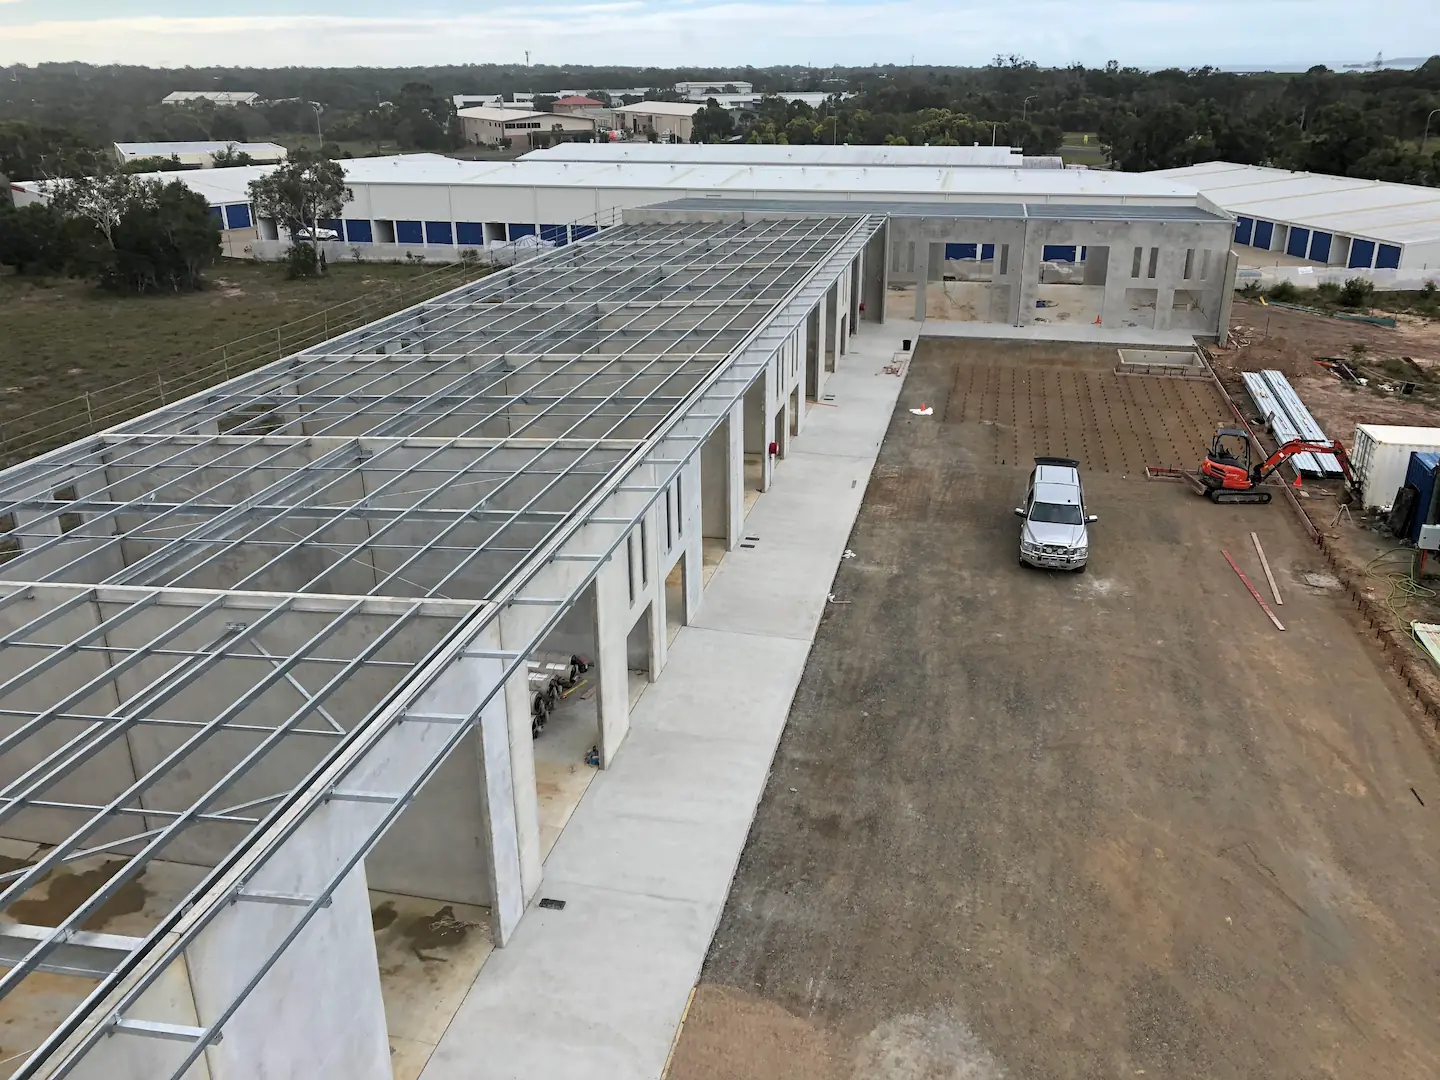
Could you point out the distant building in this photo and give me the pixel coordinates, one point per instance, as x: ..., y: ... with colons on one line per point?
x: 471, y: 101
x: 699, y: 90
x: 667, y: 119
x: 575, y: 103
x: 217, y: 97
x: 524, y: 128
x: 198, y: 155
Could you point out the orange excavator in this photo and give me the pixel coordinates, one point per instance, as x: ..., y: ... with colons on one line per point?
x: 1228, y: 476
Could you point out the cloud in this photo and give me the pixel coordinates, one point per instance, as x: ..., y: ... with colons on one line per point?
x: 636, y: 32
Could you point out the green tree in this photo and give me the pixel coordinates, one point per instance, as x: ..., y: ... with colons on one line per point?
x: 164, y: 241
x: 231, y: 156
x: 712, y: 124
x: 34, y: 239
x: 299, y: 194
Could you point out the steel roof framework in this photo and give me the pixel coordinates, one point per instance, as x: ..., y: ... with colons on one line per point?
x: 417, y: 473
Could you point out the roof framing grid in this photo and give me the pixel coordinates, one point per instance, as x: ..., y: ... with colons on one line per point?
x: 474, y: 458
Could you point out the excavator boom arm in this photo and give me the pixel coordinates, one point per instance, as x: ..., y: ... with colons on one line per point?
x: 1303, y: 446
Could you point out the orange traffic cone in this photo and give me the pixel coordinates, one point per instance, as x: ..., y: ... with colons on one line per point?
x: 1296, y: 481
x: 1097, y: 320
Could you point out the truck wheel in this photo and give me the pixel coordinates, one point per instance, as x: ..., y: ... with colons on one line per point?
x: 1081, y: 568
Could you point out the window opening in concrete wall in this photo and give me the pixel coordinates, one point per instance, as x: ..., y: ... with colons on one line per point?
x: 631, y: 571
x: 669, y: 520
x: 68, y: 520
x: 1135, y: 263
x: 1140, y: 307
x: 1004, y: 260
x: 644, y: 552
x: 1189, y: 264
x: 1154, y: 265
x: 637, y: 657
x: 384, y: 231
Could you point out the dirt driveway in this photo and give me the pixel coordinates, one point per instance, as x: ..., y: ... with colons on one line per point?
x: 1030, y: 825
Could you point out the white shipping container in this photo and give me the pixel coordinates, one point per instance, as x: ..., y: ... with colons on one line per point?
x: 1381, y: 457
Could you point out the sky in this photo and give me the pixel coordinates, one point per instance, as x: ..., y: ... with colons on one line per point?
x: 671, y: 33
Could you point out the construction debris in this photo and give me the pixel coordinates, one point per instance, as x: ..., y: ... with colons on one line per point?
x: 1265, y: 563
x: 1258, y: 598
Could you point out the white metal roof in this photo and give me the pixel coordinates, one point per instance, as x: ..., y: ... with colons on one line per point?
x: 933, y: 184
x: 220, y: 97
x: 496, y: 114
x: 663, y: 108
x: 1374, y: 209
x: 166, y: 149
x: 771, y: 154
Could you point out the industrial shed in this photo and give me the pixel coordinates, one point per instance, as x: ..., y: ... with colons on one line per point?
x: 264, y: 653
x: 199, y: 155
x: 1321, y: 220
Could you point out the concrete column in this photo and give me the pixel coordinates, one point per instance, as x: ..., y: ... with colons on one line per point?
x: 835, y: 311
x: 1025, y: 262
x: 1227, y: 294
x: 1117, y: 280
x: 803, y: 345
x: 319, y: 1011
x: 785, y: 422
x: 714, y: 493
x: 821, y: 328
x: 922, y: 280
x: 612, y: 631
x: 692, y: 538
x: 522, y: 771
x: 736, y: 507
x: 1167, y: 278
x: 757, y: 430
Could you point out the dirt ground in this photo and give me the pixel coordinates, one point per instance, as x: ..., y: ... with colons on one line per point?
x: 1033, y: 825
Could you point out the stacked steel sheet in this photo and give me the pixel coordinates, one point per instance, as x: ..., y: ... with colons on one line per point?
x: 1288, y: 419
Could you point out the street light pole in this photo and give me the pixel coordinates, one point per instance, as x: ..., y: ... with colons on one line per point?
x: 318, y: 109
x: 1426, y: 137
x: 1025, y: 108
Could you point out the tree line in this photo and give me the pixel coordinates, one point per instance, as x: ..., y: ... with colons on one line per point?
x: 55, y: 117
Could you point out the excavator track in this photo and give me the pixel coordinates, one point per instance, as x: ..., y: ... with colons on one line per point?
x: 1220, y: 495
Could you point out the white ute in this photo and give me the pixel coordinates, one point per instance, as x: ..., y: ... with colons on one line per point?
x: 1054, y: 536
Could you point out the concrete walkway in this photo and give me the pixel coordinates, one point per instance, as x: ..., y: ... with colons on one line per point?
x: 598, y: 989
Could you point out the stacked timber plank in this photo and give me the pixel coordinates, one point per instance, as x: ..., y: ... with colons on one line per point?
x: 1288, y: 419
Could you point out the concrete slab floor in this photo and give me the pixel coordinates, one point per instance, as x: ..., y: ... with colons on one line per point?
x: 34, y: 1009
x: 561, y: 775
x: 597, y: 990
x: 429, y: 954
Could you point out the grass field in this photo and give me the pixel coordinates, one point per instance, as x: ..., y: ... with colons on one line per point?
x: 1076, y: 151
x: 63, y: 339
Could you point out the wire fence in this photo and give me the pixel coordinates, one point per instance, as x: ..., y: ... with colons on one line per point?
x: 38, y: 430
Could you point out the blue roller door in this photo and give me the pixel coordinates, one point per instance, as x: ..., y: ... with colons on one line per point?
x: 1264, y: 234
x: 359, y: 232
x: 409, y: 232
x: 955, y: 252
x: 987, y: 251
x: 1388, y: 258
x: 1244, y: 230
x: 1362, y: 254
x: 1298, y: 242
x: 1320, y: 247
x: 470, y: 232
x: 1058, y: 253
x: 579, y: 232
x: 555, y: 234
x: 334, y: 224
x: 237, y: 216
x: 438, y: 232
x: 517, y: 231
x: 218, y: 214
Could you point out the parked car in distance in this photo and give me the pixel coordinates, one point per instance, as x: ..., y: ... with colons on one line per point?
x: 1054, y: 535
x: 320, y: 234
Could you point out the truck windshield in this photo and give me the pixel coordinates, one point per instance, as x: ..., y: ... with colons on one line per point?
x: 1056, y: 513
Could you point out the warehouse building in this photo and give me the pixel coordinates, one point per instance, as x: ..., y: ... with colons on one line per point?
x: 1015, y: 247
x: 523, y: 129
x: 265, y: 653
x: 215, y: 97
x: 198, y: 155
x: 575, y: 104
x: 699, y: 90
x: 1321, y: 220
x: 663, y: 119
